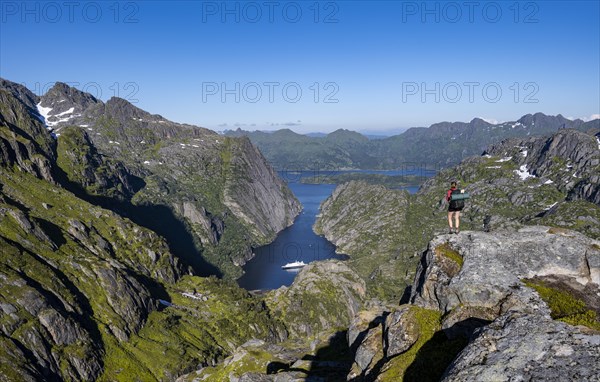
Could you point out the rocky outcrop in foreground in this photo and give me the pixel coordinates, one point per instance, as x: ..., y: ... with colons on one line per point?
x: 493, y: 265
x: 486, y: 293
x: 528, y: 348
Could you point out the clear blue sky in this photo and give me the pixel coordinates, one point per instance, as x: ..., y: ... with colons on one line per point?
x: 385, y: 63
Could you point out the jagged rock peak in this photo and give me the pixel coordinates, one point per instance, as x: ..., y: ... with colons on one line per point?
x: 62, y: 96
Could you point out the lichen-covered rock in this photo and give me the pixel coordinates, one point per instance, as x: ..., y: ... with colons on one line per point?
x: 370, y: 350
x: 525, y: 347
x: 361, y: 323
x: 401, y: 331
x: 489, y: 297
x: 513, y: 336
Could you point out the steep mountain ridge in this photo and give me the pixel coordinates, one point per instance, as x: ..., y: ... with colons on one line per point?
x: 221, y: 189
x: 21, y: 93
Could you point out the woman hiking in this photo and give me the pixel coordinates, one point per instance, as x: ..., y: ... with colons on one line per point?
x: 454, y: 208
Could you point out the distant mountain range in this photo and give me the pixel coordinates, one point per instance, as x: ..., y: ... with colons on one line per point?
x: 440, y: 145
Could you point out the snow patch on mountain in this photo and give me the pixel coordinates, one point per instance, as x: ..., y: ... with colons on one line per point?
x: 44, y: 114
x: 523, y: 173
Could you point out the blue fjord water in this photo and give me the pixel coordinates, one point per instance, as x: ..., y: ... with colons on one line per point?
x: 297, y: 242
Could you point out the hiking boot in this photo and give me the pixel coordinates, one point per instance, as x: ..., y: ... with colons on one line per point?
x: 457, y: 231
x: 451, y: 231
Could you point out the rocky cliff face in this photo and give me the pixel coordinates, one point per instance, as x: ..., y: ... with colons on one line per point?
x: 86, y: 168
x: 254, y: 192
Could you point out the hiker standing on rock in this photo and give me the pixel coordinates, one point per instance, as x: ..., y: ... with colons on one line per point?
x: 454, y: 208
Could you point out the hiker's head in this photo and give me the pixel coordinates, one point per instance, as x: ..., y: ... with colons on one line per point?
x: 453, y: 184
